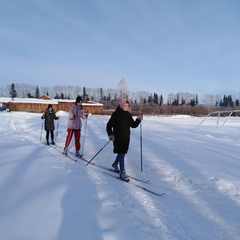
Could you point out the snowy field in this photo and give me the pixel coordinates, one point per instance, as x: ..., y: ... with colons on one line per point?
x: 46, y: 196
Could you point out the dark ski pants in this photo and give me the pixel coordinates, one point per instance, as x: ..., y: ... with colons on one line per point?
x: 47, y: 135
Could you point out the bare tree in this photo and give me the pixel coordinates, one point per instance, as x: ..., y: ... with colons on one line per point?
x: 171, y: 98
x: 218, y: 99
x: 142, y: 96
x: 25, y: 89
x: 19, y: 89
x: 76, y: 91
x: 95, y: 94
x: 45, y: 90
x: 109, y: 95
x: 70, y: 92
x: 3, y: 92
x: 208, y: 100
x: 56, y: 90
x: 122, y: 89
x: 187, y: 97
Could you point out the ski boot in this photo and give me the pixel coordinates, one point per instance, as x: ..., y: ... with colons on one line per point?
x: 123, y: 176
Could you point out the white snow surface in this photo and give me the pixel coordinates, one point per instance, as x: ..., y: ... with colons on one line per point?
x: 46, y: 196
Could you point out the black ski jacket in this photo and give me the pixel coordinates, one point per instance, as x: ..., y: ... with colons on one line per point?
x: 119, y: 126
x: 49, y: 120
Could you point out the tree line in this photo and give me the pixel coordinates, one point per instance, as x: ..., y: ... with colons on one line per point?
x: 112, y: 96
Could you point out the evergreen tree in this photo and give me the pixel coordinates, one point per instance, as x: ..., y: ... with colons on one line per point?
x: 150, y: 99
x: 62, y: 96
x: 29, y: 95
x: 237, y: 103
x: 225, y: 101
x: 221, y: 103
x: 13, y: 92
x: 230, y: 101
x: 37, y: 94
x: 161, y: 100
x: 196, y: 101
x: 176, y: 101
x: 57, y: 96
x: 85, y: 96
x: 183, y: 101
x: 192, y: 102
x: 155, y: 98
x: 108, y: 98
x: 101, y: 94
x: 115, y: 99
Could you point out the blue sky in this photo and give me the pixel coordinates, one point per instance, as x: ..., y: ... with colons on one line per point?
x: 160, y: 46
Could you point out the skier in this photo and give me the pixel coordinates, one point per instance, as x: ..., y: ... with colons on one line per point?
x: 118, y: 130
x: 75, y: 114
x: 49, y: 116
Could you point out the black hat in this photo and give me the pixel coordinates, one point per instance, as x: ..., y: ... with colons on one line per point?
x: 50, y: 106
x: 78, y: 99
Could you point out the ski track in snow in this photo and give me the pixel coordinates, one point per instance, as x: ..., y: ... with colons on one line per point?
x: 189, y: 163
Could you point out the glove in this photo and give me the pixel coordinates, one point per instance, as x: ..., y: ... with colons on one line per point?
x: 111, y: 138
x: 43, y: 115
x: 140, y: 117
x: 86, y: 115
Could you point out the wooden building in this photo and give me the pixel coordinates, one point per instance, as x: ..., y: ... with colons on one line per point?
x: 40, y: 104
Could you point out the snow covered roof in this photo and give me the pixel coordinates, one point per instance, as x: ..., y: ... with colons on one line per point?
x: 43, y: 101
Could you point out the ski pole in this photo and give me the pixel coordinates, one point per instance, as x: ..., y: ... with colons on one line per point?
x: 57, y: 131
x: 84, y: 135
x: 98, y: 152
x: 141, y: 145
x: 41, y: 132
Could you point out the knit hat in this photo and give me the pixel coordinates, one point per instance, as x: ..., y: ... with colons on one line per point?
x: 123, y: 101
x: 50, y: 106
x: 78, y: 99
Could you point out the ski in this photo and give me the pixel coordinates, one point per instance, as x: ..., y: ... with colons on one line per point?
x: 75, y: 160
x: 83, y: 159
x: 71, y: 158
x: 56, y: 148
x: 72, y: 154
x: 49, y: 145
x: 75, y: 155
x: 112, y: 170
x: 106, y: 168
x: 135, y: 185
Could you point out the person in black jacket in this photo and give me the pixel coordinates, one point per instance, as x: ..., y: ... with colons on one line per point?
x: 49, y: 116
x: 118, y: 130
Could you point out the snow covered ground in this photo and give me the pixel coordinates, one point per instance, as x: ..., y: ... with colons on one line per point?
x: 46, y: 196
